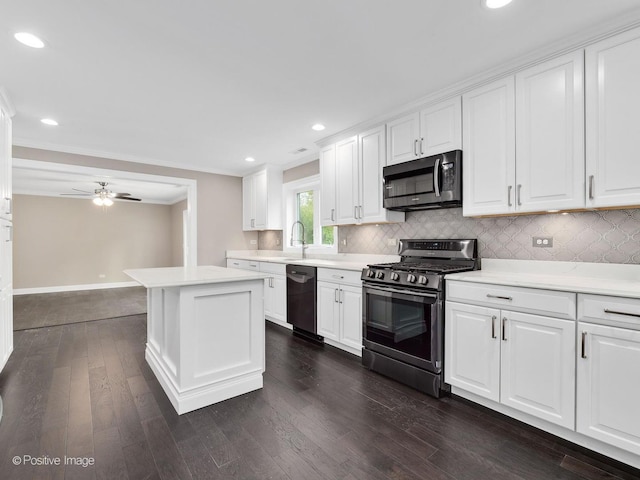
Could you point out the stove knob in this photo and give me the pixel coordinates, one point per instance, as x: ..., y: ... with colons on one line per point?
x: 395, y: 277
x: 370, y: 273
x: 379, y: 275
x: 411, y: 278
x: 422, y: 280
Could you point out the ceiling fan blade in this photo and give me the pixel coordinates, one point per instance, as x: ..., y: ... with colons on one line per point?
x: 77, y: 190
x: 79, y: 194
x: 129, y: 198
x: 121, y: 195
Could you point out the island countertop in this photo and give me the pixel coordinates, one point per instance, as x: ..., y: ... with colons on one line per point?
x: 182, y: 276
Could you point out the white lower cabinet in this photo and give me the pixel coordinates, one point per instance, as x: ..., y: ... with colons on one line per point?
x: 340, y: 309
x: 521, y: 360
x: 608, y: 383
x: 275, y: 293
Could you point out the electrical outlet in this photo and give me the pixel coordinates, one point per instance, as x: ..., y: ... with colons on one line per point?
x: 277, y: 241
x: 543, y: 242
x: 253, y: 242
x: 391, y: 242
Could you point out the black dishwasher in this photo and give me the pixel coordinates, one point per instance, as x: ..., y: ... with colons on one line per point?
x: 301, y: 300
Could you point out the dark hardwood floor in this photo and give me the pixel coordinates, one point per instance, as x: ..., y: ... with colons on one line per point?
x: 85, y: 391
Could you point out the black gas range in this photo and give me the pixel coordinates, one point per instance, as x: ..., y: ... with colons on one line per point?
x: 403, y: 316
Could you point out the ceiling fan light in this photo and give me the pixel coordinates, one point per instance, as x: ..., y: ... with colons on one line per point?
x: 107, y: 202
x: 98, y: 201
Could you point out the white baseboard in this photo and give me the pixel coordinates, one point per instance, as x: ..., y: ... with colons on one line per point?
x: 73, y: 288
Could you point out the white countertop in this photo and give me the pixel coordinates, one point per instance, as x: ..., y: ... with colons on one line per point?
x: 345, y: 261
x: 620, y: 280
x: 180, y: 276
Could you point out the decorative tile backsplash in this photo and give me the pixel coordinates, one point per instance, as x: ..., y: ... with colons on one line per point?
x: 608, y: 236
x: 270, y: 240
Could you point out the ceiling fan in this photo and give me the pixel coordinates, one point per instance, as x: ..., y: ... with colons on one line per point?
x: 103, y: 196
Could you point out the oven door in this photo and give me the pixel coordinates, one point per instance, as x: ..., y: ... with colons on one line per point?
x: 404, y: 325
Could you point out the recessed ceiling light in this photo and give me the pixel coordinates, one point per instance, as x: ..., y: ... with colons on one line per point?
x: 49, y: 121
x: 29, y: 39
x: 495, y: 3
x: 318, y: 127
x: 249, y: 159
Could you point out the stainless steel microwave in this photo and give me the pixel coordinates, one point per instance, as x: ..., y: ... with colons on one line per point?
x: 425, y: 183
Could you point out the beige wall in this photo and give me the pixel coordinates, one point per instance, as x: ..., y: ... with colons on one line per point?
x: 65, y: 241
x: 301, y: 171
x: 219, y: 200
x: 177, y: 252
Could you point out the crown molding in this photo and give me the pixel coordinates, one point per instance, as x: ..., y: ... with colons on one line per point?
x: 5, y: 102
x: 301, y: 161
x: 568, y: 44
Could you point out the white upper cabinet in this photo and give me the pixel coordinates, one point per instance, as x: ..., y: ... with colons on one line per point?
x: 488, y: 139
x: 523, y: 140
x: 441, y: 127
x: 436, y: 129
x: 262, y: 200
x: 403, y: 135
x: 351, y: 181
x: 347, y: 181
x: 328, y: 182
x: 5, y: 166
x: 612, y: 73
x: 550, y: 135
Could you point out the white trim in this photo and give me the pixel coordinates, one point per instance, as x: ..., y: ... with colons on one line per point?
x: 288, y: 189
x: 191, y: 185
x: 569, y: 44
x: 73, y: 288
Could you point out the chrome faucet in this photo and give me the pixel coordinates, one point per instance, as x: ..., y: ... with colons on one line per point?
x: 304, y: 245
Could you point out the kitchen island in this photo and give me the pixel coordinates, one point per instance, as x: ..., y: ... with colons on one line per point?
x: 205, y: 332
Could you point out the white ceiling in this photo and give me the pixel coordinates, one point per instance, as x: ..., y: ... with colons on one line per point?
x: 203, y: 84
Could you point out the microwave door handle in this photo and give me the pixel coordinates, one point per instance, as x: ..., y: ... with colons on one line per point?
x: 436, y: 178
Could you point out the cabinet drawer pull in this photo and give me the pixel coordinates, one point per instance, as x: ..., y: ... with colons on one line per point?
x: 509, y: 188
x: 504, y: 329
x: 499, y: 296
x: 628, y: 314
x: 584, y: 343
x: 591, y: 180
x: 493, y: 326
x: 338, y: 276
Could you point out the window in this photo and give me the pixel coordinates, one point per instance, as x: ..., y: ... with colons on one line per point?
x: 303, y: 205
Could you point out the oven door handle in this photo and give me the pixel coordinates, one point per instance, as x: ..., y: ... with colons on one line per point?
x: 407, y: 293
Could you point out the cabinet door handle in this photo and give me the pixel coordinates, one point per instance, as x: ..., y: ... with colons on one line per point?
x: 253, y: 223
x: 360, y: 212
x: 341, y: 295
x: 415, y: 147
x: 584, y: 345
x: 10, y: 236
x: 509, y: 188
x: 499, y: 296
x: 421, y: 142
x: 591, y: 180
x: 333, y: 211
x: 493, y: 326
x: 335, y: 296
x: 504, y: 329
x: 518, y: 194
x: 355, y: 211
x: 9, y: 205
x: 628, y: 314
